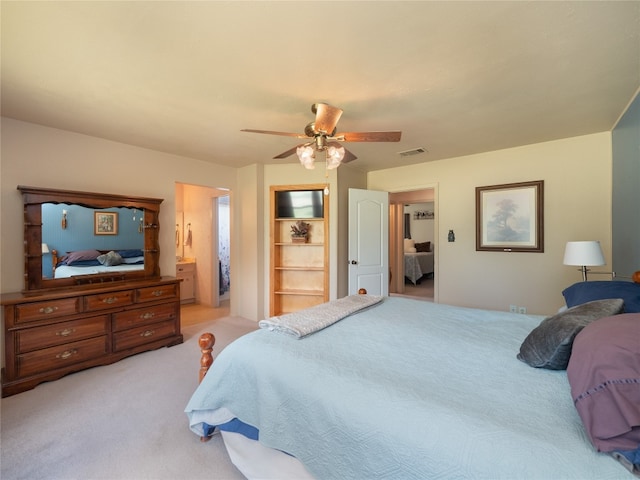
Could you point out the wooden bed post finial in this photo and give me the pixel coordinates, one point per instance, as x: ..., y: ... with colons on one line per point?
x: 206, y: 342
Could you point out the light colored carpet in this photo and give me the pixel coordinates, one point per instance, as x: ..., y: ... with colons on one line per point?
x: 121, y: 421
x: 424, y: 290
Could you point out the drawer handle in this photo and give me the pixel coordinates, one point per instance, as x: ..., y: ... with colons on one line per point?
x: 147, y: 333
x: 110, y: 300
x: 147, y: 315
x: 66, y: 354
x: 66, y: 332
x: 48, y: 309
x: 157, y: 293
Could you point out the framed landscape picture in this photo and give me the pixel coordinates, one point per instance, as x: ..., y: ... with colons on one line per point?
x: 105, y: 223
x: 509, y: 218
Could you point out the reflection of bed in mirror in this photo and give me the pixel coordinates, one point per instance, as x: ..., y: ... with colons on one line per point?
x: 88, y: 262
x: 70, y: 228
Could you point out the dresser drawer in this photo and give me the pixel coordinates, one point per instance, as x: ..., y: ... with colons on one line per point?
x: 61, y: 356
x: 108, y: 300
x: 144, y: 316
x: 157, y: 293
x: 141, y: 335
x: 59, y: 333
x: 29, y: 312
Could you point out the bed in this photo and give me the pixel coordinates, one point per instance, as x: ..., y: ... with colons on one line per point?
x: 418, y: 260
x: 92, y: 261
x: 403, y: 389
x: 417, y: 265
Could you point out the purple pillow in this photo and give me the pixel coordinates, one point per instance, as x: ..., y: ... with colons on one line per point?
x: 80, y: 255
x: 604, y: 374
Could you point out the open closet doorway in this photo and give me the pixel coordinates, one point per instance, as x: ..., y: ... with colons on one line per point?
x: 412, y: 255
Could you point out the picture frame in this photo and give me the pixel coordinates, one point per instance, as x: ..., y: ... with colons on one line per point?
x: 510, y: 217
x: 105, y: 223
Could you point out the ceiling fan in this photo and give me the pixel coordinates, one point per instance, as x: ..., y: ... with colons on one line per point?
x: 321, y: 136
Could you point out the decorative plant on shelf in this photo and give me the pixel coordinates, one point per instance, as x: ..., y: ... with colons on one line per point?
x: 300, y: 231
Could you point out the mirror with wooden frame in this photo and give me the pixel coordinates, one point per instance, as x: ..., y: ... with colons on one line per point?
x: 103, y: 224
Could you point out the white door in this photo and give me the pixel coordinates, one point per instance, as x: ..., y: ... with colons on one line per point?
x: 368, y: 241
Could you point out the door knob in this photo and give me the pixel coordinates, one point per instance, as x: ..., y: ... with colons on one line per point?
x: 353, y: 262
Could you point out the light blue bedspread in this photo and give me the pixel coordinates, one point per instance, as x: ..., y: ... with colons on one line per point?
x: 406, y: 389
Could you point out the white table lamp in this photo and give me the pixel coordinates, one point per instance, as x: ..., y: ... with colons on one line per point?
x: 584, y: 254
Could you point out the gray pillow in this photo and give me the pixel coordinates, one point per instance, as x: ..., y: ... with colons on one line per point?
x: 110, y: 259
x: 549, y: 344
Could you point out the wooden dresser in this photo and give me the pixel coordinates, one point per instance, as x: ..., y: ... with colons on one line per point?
x: 50, y: 334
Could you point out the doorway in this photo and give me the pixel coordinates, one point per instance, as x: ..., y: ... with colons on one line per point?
x: 200, y: 235
x: 412, y: 246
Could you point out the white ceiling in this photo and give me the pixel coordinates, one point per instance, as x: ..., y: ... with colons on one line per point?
x: 455, y: 77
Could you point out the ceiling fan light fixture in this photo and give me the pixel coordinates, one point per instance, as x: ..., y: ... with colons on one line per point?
x: 334, y: 157
x: 306, y: 156
x: 321, y: 135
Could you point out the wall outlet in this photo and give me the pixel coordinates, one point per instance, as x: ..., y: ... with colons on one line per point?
x: 522, y: 309
x: 513, y: 308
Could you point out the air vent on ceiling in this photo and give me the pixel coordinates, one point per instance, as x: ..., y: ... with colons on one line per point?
x: 414, y: 151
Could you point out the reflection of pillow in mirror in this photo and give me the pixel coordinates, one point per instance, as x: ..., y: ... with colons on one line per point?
x: 82, y: 263
x: 136, y: 252
x: 110, y: 259
x: 133, y: 260
x: 80, y: 255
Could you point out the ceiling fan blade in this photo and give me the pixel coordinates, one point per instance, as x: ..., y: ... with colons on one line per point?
x: 326, y: 117
x: 348, y: 156
x: 270, y: 132
x: 368, y: 136
x: 289, y: 152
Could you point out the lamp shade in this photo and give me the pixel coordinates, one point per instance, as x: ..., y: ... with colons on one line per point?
x: 587, y: 253
x: 45, y: 248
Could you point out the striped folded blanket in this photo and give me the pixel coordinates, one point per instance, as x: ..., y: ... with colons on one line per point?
x: 310, y: 320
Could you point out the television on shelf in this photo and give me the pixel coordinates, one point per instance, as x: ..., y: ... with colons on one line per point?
x: 299, y: 204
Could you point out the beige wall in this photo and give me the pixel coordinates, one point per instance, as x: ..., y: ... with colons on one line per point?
x: 577, y: 190
x: 249, y: 228
x: 577, y: 174
x: 45, y: 157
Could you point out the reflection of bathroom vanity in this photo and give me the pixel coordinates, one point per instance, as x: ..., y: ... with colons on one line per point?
x: 186, y: 271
